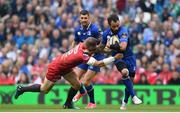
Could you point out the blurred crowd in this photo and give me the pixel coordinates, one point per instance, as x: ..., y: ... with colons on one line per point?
x: 33, y: 32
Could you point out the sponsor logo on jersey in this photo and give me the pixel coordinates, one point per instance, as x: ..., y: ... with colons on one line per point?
x: 124, y: 35
x: 79, y: 33
x: 89, y: 33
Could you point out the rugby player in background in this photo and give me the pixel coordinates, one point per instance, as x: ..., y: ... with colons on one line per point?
x: 83, y: 31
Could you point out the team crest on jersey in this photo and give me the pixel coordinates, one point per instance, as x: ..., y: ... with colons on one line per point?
x: 79, y: 33
x: 89, y: 33
x: 134, y: 68
x: 124, y: 35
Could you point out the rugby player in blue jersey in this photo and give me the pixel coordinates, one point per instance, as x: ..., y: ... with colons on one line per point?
x: 120, y: 43
x: 83, y: 31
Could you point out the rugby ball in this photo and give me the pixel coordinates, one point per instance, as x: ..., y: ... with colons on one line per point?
x: 113, y: 39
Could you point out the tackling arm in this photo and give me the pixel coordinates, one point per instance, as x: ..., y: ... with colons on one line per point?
x: 92, y: 61
x: 102, y: 49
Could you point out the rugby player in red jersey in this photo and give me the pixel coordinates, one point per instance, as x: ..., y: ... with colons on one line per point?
x: 62, y: 66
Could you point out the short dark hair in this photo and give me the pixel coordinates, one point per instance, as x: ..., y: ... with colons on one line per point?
x: 113, y: 17
x: 91, y: 42
x: 84, y: 12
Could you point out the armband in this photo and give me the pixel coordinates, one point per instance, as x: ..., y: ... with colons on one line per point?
x: 91, y: 61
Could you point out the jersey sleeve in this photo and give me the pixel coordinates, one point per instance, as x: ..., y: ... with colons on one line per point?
x: 95, y: 32
x: 91, y: 61
x: 123, y: 35
x: 76, y: 38
x: 104, y: 38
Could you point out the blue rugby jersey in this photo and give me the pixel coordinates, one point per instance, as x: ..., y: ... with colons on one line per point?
x: 123, y: 36
x: 91, y: 31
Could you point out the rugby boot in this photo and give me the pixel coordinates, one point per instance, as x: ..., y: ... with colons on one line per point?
x: 19, y: 91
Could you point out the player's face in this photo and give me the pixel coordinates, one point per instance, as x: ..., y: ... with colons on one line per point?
x: 114, y: 26
x: 84, y: 20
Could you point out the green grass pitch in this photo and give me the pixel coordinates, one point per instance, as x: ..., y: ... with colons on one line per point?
x: 100, y: 108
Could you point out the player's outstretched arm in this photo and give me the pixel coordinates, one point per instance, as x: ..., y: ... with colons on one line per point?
x: 103, y: 49
x: 92, y: 61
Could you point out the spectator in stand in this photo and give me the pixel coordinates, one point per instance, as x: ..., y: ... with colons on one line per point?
x: 23, y: 78
x: 6, y: 79
x: 143, y: 80
x: 3, y: 54
x: 2, y: 75
x: 45, y: 50
x: 174, y: 8
x: 2, y: 35
x: 165, y: 75
x: 4, y: 10
x: 165, y: 14
x: 140, y: 52
x: 37, y: 71
x: 151, y: 75
x: 55, y: 39
x: 12, y: 53
x: 14, y: 74
x: 176, y: 63
x: 169, y: 38
x: 22, y: 66
x: 175, y: 78
x: 65, y: 46
x: 147, y: 6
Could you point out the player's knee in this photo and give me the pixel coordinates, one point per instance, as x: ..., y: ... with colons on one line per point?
x: 125, y: 72
x: 76, y: 86
x: 87, y: 83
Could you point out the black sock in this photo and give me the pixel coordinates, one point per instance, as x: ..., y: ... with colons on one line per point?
x: 127, y: 95
x: 31, y: 88
x: 90, y: 91
x: 72, y: 92
x: 82, y: 90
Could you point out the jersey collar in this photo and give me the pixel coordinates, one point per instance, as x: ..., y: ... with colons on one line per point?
x: 87, y: 26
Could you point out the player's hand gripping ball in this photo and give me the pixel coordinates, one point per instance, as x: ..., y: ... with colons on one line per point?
x: 113, y: 43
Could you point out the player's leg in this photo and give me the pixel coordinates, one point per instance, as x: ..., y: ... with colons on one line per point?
x: 135, y: 99
x: 121, y: 66
x: 127, y: 94
x: 131, y: 64
x: 72, y: 79
x: 80, y: 70
x: 45, y: 88
x: 92, y: 71
x: 124, y: 67
x: 89, y: 87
